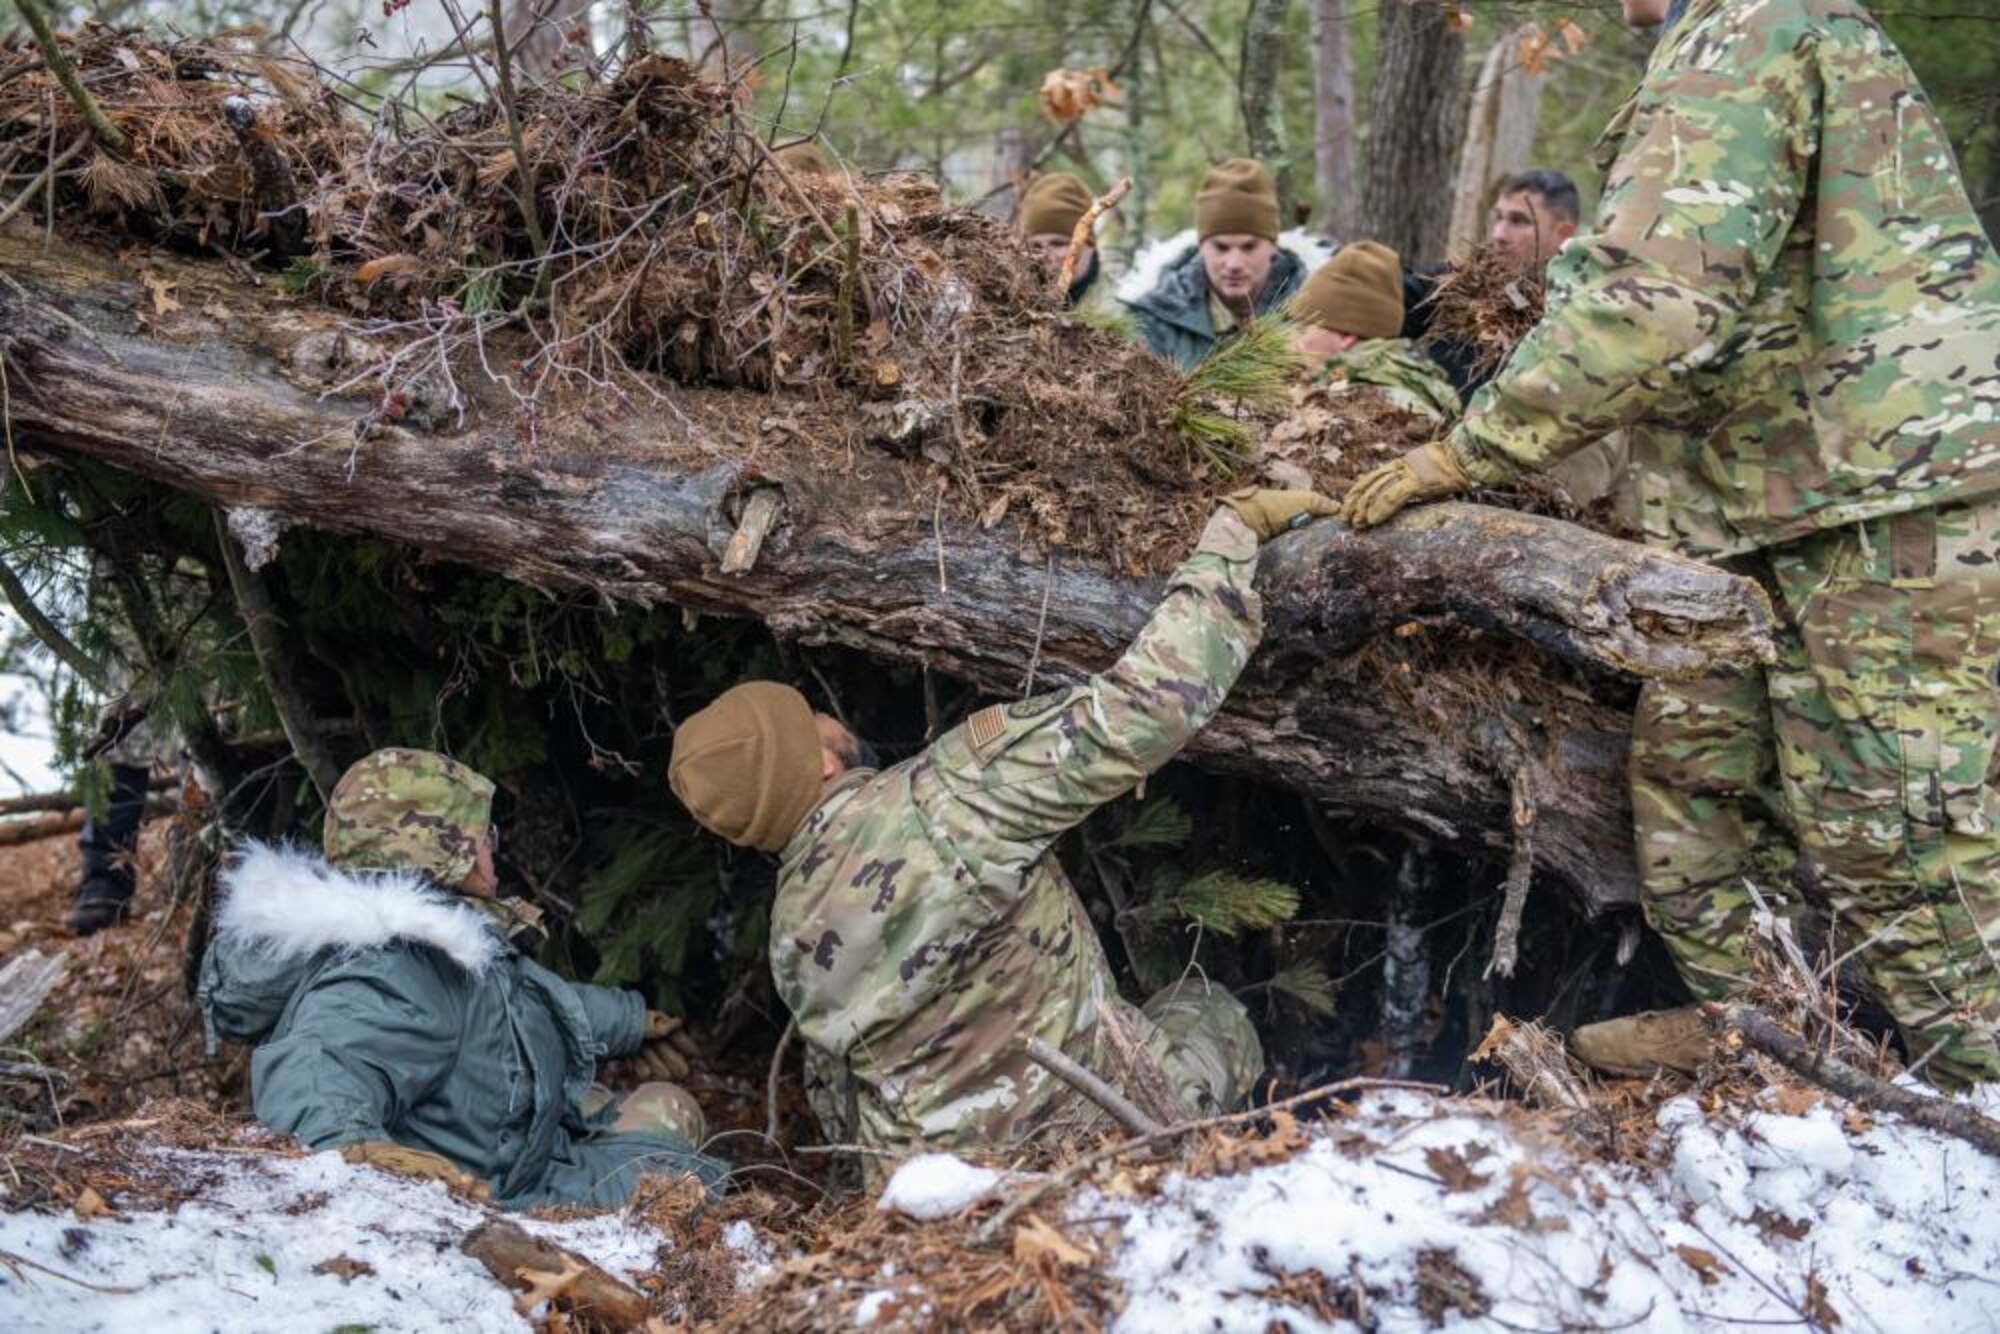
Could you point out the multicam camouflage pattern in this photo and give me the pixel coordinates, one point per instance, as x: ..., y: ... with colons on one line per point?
x: 1860, y: 766
x: 1405, y: 376
x: 653, y: 1108
x: 923, y: 931
x: 408, y: 810
x: 1786, y: 293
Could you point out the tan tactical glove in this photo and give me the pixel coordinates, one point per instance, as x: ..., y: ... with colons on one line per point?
x: 664, y: 1051
x: 1268, y: 513
x: 417, y: 1163
x: 1425, y: 473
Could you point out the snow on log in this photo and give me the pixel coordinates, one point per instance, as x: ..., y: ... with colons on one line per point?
x: 219, y: 391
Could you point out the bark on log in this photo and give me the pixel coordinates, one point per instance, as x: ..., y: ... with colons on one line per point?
x: 205, y: 401
x: 520, y: 1260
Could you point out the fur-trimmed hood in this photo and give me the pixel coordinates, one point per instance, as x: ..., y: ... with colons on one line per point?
x: 280, y: 909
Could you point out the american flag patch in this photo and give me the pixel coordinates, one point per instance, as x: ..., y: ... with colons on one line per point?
x: 985, y: 729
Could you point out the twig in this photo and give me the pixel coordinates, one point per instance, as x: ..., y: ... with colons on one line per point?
x: 1079, y: 235
x: 1956, y: 1119
x: 1090, y: 1086
x: 47, y: 631
x: 1507, y: 934
x: 1041, y: 628
x: 52, y: 55
x: 772, y: 1077
x: 56, y: 164
x: 1076, y: 1170
x: 20, y: 1262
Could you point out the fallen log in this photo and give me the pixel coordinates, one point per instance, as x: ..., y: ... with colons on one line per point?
x: 222, y: 397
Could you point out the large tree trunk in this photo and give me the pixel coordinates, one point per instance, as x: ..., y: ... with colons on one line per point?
x: 1257, y: 87
x: 209, y: 400
x: 1415, y: 113
x: 1333, y: 116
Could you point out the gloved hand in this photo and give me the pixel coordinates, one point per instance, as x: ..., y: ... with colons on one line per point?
x: 1268, y: 513
x: 418, y: 1163
x: 663, y: 1052
x: 1425, y: 473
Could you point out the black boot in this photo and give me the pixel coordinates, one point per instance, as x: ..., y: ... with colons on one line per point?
x: 110, y: 851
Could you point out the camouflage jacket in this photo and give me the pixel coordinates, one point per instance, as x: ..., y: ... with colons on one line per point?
x: 1786, y: 293
x: 1405, y: 376
x: 923, y: 931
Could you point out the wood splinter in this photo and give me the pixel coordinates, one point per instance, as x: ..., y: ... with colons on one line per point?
x: 1079, y: 236
x: 514, y: 1256
x: 760, y: 516
x: 1121, y: 1109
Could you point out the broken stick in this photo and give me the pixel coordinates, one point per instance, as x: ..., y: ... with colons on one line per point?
x: 1120, y: 1107
x: 760, y: 516
x: 1079, y: 236
x: 517, y: 1258
x: 1956, y: 1119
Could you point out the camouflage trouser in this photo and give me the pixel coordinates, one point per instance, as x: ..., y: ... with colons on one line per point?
x: 652, y: 1108
x: 1856, y: 765
x: 1204, y: 1038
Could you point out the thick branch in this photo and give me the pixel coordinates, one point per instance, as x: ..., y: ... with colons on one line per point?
x: 46, y: 630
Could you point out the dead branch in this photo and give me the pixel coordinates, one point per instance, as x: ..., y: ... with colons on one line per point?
x: 1120, y: 1108
x: 519, y: 1259
x: 25, y: 981
x: 1520, y: 870
x: 760, y: 516
x: 47, y: 631
x: 1079, y: 236
x: 52, y: 55
x: 1957, y: 1119
x: 14, y: 833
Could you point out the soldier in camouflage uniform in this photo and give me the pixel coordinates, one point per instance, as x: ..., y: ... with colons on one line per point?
x: 393, y: 1020
x: 923, y: 930
x: 1788, y: 299
x: 1349, y: 319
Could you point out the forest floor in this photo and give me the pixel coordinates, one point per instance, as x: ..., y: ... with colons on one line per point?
x: 141, y: 1197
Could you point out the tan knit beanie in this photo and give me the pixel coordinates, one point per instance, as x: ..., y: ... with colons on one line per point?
x: 1359, y: 292
x: 1237, y: 198
x: 1054, y: 204
x: 747, y: 767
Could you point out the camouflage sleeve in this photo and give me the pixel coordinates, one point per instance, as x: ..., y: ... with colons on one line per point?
x: 1712, y: 171
x: 1011, y: 778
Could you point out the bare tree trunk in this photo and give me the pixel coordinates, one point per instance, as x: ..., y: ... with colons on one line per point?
x: 1415, y: 113
x: 1257, y: 92
x: 1499, y: 135
x: 1333, y: 116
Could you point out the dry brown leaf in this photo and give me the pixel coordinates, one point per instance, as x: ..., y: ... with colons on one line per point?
x: 1573, y: 37
x: 1457, y: 18
x: 544, y: 1286
x: 162, y: 290
x: 1817, y: 1308
x: 1706, y: 1267
x: 89, y: 1204
x: 345, y: 1268
x: 387, y: 266
x: 1068, y: 94
x: 1449, y: 1165
x: 1795, y: 1099
x: 1036, y: 1238
x: 1533, y: 50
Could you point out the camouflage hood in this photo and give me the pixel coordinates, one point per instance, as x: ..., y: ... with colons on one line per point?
x: 408, y: 810
x: 281, y: 910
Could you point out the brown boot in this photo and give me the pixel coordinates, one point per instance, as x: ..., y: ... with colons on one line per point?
x: 1641, y: 1045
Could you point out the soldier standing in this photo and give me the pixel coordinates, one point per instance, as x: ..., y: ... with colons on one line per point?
x: 923, y: 930
x: 1788, y: 298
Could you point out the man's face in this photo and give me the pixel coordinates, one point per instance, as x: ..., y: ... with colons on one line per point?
x: 839, y: 750
x: 1052, y: 246
x: 483, y: 880
x: 1237, y: 265
x: 1318, y: 345
x: 1645, y: 13
x: 1527, y: 231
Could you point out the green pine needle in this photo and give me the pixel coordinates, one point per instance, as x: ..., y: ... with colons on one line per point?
x: 1222, y: 901
x: 1308, y: 984
x: 1252, y: 370
x: 1160, y: 823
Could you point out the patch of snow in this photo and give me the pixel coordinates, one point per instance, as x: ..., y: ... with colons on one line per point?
x: 870, y: 1306
x: 1891, y: 1226
x: 242, y: 1254
x: 755, y: 1257
x: 938, y: 1185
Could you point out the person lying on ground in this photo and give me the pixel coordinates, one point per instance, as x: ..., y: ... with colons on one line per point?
x: 393, y: 1019
x: 923, y: 930
x: 1235, y: 274
x: 1790, y: 303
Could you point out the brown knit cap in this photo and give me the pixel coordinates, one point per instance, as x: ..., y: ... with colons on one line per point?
x: 747, y: 767
x: 1359, y: 292
x: 1054, y: 204
x: 1237, y: 198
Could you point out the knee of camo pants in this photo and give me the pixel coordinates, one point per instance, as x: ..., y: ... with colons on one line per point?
x: 1888, y: 745
x: 1205, y: 1040
x: 662, y: 1108
x: 1706, y: 822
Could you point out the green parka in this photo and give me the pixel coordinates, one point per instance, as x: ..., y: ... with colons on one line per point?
x: 1174, y: 318
x: 382, y: 1008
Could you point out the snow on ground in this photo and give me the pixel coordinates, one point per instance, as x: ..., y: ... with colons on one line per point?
x: 937, y: 1185
x: 246, y: 1254
x: 1778, y: 1220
